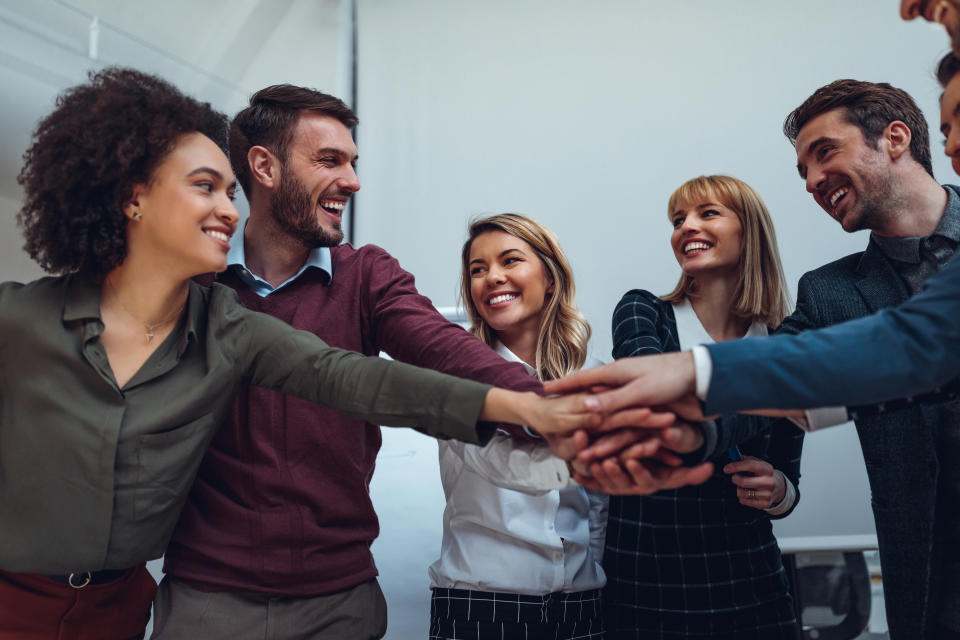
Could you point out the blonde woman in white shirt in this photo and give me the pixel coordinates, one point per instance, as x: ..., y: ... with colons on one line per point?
x: 522, y: 544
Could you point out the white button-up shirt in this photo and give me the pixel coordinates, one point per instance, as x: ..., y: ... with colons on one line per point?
x: 514, y: 520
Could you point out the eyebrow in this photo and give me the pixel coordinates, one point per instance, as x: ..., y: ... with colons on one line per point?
x: 216, y: 174
x: 499, y: 255
x: 822, y: 140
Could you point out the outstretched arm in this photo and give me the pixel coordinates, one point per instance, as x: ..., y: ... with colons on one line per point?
x: 274, y: 355
x: 666, y: 380
x: 906, y: 350
x: 559, y: 415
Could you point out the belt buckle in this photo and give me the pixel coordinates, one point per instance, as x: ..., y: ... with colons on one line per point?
x: 86, y: 579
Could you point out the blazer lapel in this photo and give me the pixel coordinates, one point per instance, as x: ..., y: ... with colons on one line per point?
x: 880, y: 285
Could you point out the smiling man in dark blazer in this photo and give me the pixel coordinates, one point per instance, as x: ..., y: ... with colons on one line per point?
x: 863, y: 151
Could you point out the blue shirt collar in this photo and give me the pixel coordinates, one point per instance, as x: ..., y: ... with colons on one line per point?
x: 318, y: 258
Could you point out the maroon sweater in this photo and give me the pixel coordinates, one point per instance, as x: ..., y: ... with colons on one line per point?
x: 281, y: 504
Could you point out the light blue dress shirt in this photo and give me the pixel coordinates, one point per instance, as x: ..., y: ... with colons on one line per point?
x: 319, y: 258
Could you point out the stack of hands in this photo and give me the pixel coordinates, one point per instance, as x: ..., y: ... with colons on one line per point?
x: 623, y: 428
x: 634, y: 427
x: 647, y: 417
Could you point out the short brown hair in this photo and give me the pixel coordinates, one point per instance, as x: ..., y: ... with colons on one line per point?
x: 270, y: 119
x: 870, y: 106
x: 948, y: 67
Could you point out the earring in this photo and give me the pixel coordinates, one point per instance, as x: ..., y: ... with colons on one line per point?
x: 137, y: 216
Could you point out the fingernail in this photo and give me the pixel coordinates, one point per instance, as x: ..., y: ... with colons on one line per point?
x: 592, y: 403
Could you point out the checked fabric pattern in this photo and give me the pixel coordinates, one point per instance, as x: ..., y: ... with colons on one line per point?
x: 460, y: 614
x: 694, y: 562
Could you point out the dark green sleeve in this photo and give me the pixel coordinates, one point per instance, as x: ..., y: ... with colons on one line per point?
x: 272, y: 354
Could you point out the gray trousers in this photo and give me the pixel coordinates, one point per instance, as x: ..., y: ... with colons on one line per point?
x: 181, y: 612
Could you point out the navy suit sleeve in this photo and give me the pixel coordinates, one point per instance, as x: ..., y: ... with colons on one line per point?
x: 906, y: 350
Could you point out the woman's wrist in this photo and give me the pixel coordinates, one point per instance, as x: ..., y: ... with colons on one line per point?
x: 512, y: 407
x: 779, y: 488
x: 559, y: 415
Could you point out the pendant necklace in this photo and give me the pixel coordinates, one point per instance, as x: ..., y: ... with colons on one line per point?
x: 148, y: 334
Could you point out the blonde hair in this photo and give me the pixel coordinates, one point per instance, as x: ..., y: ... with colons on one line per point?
x: 564, y: 332
x: 761, y: 292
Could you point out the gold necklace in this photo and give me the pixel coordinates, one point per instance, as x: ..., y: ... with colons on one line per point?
x: 149, y: 327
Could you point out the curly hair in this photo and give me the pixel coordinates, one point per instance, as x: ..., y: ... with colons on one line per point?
x: 564, y: 332
x: 103, y: 137
x: 870, y: 106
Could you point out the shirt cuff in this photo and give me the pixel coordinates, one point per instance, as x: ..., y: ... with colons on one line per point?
x: 789, y: 498
x: 703, y: 368
x: 707, y: 449
x: 536, y: 436
x: 824, y: 417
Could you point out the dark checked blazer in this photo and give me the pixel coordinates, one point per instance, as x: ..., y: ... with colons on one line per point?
x: 694, y: 560
x: 899, y: 447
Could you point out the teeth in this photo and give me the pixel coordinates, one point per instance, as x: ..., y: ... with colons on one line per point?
x: 695, y: 246
x: 501, y: 298
x: 333, y: 205
x: 219, y: 235
x: 839, y: 193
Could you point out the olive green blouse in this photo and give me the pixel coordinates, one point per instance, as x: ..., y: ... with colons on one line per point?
x: 93, y: 476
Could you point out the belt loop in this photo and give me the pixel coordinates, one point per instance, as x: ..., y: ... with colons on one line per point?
x: 86, y: 580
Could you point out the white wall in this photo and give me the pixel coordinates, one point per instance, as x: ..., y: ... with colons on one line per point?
x: 587, y: 115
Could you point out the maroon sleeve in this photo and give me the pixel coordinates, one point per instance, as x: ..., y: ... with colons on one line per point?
x: 410, y: 329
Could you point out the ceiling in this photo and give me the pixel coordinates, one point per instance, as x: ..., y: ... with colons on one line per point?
x: 218, y: 50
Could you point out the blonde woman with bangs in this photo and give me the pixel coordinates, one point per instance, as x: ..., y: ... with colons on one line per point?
x: 522, y: 544
x: 702, y: 561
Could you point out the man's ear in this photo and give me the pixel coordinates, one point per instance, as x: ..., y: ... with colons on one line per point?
x: 898, y: 137
x: 264, y: 166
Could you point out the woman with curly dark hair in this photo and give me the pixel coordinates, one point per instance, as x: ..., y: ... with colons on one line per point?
x: 115, y: 372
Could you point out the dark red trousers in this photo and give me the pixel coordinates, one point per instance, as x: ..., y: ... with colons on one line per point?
x: 33, y: 607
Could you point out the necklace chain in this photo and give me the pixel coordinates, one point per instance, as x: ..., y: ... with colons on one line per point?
x: 146, y: 325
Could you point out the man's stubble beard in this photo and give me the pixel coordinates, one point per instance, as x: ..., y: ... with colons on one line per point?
x: 880, y: 201
x: 293, y: 211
